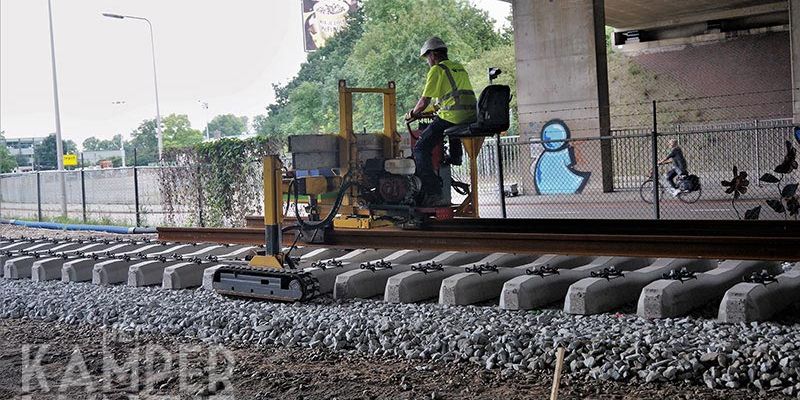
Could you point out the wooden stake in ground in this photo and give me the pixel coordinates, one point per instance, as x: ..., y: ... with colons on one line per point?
x: 557, y: 373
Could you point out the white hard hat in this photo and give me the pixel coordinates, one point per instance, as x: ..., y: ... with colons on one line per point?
x: 433, y: 43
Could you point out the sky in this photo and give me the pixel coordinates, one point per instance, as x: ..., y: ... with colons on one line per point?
x: 226, y: 53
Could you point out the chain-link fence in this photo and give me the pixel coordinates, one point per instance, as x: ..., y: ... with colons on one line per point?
x: 552, y: 176
x: 218, y: 189
x: 117, y: 196
x: 19, y: 195
x: 755, y: 146
x: 564, y: 178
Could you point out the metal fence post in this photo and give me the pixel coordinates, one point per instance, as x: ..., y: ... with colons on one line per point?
x: 500, y: 176
x: 654, y: 149
x: 758, y: 153
x: 200, y: 196
x: 136, y: 187
x: 38, y: 197
x: 83, y: 190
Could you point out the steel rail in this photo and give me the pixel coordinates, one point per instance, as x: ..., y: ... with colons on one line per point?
x: 753, y: 240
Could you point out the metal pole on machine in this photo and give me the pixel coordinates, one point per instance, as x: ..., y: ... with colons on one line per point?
x: 493, y: 74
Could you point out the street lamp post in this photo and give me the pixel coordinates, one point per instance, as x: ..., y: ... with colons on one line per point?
x: 59, y: 145
x: 155, y: 78
x: 204, y: 105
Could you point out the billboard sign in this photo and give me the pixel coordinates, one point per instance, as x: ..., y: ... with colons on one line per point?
x: 323, y: 18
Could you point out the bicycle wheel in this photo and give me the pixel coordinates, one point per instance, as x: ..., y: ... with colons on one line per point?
x: 646, y: 191
x: 690, y: 197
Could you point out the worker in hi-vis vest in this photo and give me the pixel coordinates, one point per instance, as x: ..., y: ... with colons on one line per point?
x: 448, y: 83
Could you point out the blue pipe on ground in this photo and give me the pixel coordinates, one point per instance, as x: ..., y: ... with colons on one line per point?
x: 78, y: 227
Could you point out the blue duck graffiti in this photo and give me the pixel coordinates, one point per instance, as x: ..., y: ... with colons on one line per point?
x: 554, y: 172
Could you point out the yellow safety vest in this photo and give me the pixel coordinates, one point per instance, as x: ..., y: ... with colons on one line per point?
x: 449, y: 83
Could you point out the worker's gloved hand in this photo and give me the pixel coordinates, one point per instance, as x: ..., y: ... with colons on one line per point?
x: 410, y: 115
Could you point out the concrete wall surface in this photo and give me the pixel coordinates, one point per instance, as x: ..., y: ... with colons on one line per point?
x: 560, y: 50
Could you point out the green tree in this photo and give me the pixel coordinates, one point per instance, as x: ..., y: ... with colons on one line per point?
x: 7, y: 161
x: 380, y: 45
x: 266, y: 126
x: 95, y: 144
x: 145, y: 142
x: 90, y: 143
x: 45, y: 152
x: 178, y: 131
x: 389, y: 47
x: 114, y: 143
x: 227, y: 125
x: 501, y: 57
x: 323, y: 69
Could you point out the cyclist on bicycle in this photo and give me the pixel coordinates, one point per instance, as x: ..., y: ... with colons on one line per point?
x: 678, y: 166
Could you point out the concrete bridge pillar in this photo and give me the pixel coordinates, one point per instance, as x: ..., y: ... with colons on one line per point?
x: 794, y: 23
x: 562, y: 75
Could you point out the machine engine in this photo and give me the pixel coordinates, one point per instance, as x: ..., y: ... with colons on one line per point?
x: 399, y: 189
x: 391, y: 182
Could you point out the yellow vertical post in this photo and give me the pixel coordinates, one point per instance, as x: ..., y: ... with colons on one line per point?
x: 273, y: 203
x: 348, y: 151
x: 391, y: 141
x: 473, y: 147
x: 345, y: 126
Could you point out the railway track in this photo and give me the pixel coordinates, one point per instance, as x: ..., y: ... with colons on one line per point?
x: 414, y: 267
x: 746, y: 240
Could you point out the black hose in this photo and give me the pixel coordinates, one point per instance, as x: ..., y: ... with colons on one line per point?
x: 316, y: 226
x: 346, y: 185
x: 460, y: 188
x: 328, y: 220
x: 288, y: 194
x: 288, y: 256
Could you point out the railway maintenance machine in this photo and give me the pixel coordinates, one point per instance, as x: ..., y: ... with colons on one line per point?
x: 355, y: 181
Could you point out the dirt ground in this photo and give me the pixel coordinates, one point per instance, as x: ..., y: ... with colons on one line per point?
x: 46, y: 360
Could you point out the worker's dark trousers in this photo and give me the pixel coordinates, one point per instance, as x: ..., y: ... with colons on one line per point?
x: 423, y: 151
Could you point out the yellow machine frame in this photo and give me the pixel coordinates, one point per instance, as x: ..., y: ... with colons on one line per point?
x: 348, y: 151
x: 355, y: 217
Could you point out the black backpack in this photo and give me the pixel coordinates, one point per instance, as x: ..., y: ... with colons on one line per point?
x: 492, y: 114
x: 493, y: 107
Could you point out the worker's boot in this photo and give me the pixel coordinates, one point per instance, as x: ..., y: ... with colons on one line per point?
x: 435, y: 200
x: 455, y: 154
x: 451, y: 160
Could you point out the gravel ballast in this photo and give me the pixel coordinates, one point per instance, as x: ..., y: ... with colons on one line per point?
x: 609, y: 347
